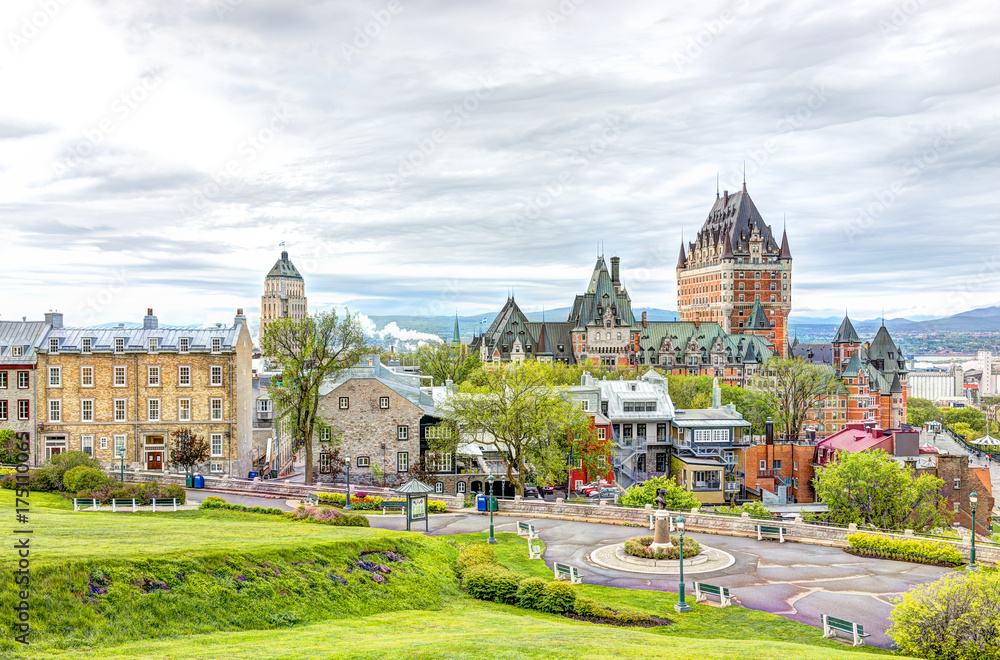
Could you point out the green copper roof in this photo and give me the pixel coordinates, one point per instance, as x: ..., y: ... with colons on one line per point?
x: 284, y: 268
x: 758, y: 318
x: 846, y: 334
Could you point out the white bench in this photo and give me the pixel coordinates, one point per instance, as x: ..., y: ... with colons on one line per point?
x: 311, y: 498
x: 165, y: 501
x: 125, y: 501
x: 832, y: 626
x: 567, y: 571
x: 702, y: 591
x: 534, y: 551
x: 528, y: 530
x: 85, y: 502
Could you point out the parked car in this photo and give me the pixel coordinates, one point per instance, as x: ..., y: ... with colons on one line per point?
x: 531, y: 490
x: 549, y: 490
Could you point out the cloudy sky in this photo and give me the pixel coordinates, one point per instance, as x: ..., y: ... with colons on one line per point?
x: 418, y: 157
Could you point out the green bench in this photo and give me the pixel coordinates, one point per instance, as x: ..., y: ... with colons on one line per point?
x: 833, y: 625
x: 165, y: 501
x: 85, y: 502
x: 393, y: 505
x: 567, y: 571
x: 702, y: 591
x: 534, y: 551
x: 771, y: 532
x: 124, y: 501
x: 527, y: 530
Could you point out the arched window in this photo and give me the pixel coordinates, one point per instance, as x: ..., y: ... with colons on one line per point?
x: 609, y: 336
x: 439, y: 487
x: 619, y: 336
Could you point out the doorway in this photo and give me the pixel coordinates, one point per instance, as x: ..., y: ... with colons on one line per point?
x: 154, y: 460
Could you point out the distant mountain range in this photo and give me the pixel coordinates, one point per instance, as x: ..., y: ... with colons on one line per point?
x: 985, y: 319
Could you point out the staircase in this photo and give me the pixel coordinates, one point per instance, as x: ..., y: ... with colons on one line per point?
x: 624, y: 460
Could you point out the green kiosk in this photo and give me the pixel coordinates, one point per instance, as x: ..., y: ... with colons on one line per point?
x: 416, y: 501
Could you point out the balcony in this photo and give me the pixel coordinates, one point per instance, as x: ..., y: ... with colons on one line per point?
x: 707, y: 485
x: 732, y: 486
x: 769, y: 474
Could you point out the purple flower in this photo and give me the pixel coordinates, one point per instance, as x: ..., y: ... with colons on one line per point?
x: 241, y: 578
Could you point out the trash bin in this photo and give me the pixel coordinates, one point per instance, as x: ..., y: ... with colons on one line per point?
x: 189, y: 482
x: 274, y: 474
x: 199, y: 481
x: 480, y: 502
x: 252, y: 475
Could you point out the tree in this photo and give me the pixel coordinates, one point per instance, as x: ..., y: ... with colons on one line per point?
x: 677, y: 497
x: 957, y: 617
x: 188, y: 449
x: 514, y: 410
x: 871, y: 488
x: 310, y: 351
x: 8, y: 447
x: 795, y: 387
x: 446, y: 362
x: 968, y: 416
x: 920, y: 411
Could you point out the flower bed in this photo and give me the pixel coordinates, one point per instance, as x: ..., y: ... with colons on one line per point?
x: 639, y: 547
x: 363, y: 501
x: 920, y: 551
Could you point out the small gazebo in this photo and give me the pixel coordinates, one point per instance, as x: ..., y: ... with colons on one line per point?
x: 416, y: 493
x: 987, y: 441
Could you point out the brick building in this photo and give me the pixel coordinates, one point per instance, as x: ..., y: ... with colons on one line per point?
x: 18, y: 341
x: 103, y: 390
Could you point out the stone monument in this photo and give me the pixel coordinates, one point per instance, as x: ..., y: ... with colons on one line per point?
x: 661, y: 522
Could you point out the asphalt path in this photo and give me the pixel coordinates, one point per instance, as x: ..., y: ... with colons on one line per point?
x: 793, y: 580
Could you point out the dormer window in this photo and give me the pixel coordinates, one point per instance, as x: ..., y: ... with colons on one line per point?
x: 53, y: 345
x: 119, y: 344
x: 16, y: 351
x: 154, y: 344
x: 216, y: 344
x: 184, y: 344
x: 85, y: 345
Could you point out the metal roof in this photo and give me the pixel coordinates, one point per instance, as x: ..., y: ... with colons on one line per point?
x: 284, y: 268
x: 137, y: 339
x: 26, y: 334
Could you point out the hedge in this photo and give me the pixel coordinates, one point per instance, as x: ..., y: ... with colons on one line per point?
x: 920, y: 551
x: 640, y: 547
x: 213, y: 502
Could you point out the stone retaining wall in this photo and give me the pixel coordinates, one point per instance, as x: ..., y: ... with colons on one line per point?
x: 695, y: 521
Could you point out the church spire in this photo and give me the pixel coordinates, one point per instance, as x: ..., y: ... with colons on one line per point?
x: 456, y: 339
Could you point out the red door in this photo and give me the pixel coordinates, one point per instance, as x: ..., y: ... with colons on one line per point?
x: 154, y: 460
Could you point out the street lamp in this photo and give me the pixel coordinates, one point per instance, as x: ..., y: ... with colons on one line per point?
x: 491, y: 504
x: 973, y: 501
x: 347, y: 502
x: 121, y: 455
x: 681, y: 606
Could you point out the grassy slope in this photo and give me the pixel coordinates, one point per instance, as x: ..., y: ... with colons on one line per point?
x: 211, y: 547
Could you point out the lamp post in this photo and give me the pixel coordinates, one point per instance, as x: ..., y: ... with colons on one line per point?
x: 347, y: 502
x: 121, y: 455
x: 491, y: 504
x: 681, y: 606
x: 973, y: 501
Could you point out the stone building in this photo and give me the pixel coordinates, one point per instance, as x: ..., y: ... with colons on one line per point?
x: 18, y: 341
x: 106, y: 390
x: 284, y: 293
x: 736, y: 274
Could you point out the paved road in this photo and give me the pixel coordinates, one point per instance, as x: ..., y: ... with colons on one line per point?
x: 793, y: 580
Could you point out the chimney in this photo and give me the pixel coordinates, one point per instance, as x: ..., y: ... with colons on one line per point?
x: 716, y: 394
x: 240, y: 318
x: 644, y: 319
x: 725, y: 197
x: 769, y: 432
x: 55, y: 319
x: 615, y: 260
x: 284, y: 256
x: 149, y: 321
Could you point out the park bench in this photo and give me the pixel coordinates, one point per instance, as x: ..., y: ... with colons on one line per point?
x: 833, y: 625
x: 393, y: 505
x: 771, y: 532
x: 567, y: 571
x: 165, y: 501
x: 311, y: 498
x: 702, y: 590
x: 124, y: 501
x: 534, y: 550
x: 85, y: 502
x: 528, y: 530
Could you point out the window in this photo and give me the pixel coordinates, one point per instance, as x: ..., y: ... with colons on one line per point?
x: 55, y: 376
x: 602, y: 433
x: 55, y: 410
x: 184, y: 410
x: 119, y: 445
x: 16, y: 351
x: 119, y: 344
x: 183, y: 344
x: 23, y: 409
x: 345, y: 403
x: 402, y: 462
x: 763, y: 465
x: 363, y: 461
x: 153, y: 410
x: 661, y: 432
x: 795, y: 466
x: 461, y: 486
x: 402, y: 432
x: 215, y: 408
x: 87, y: 444
x: 216, y: 467
x: 383, y: 402
x: 443, y: 462
x: 53, y: 345
x: 104, y: 443
x: 438, y: 487
x: 216, y: 444
x: 216, y: 344
x: 3, y: 410
x: 216, y: 376
x: 3, y: 380
x: 325, y: 434
x: 661, y: 461
x: 154, y: 344
x: 263, y: 405
x: 958, y: 484
x: 86, y: 410
x: 23, y: 380
x: 120, y: 379
x: 777, y: 465
x: 184, y: 376
x: 602, y: 461
x: 85, y: 345
x: 153, y: 376
x: 86, y: 376
x: 121, y: 410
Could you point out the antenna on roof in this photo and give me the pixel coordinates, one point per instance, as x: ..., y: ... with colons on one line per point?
x: 883, y: 316
x: 744, y: 176
x: 717, y: 185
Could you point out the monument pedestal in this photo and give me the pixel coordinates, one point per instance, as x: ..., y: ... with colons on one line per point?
x: 661, y: 531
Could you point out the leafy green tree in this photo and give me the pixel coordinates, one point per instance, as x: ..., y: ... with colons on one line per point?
x: 310, y: 350
x: 446, y: 361
x: 677, y: 497
x: 969, y: 416
x: 957, y: 617
x: 920, y: 411
x: 871, y: 488
x: 514, y: 410
x: 795, y: 387
x: 8, y: 446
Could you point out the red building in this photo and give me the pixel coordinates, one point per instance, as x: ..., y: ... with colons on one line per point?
x: 578, y: 473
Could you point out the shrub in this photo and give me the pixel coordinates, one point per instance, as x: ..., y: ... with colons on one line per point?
x: 755, y: 509
x: 62, y: 463
x: 531, y: 592
x: 142, y: 492
x: 957, y: 618
x: 322, y: 514
x: 492, y: 582
x: 82, y: 477
x: 475, y: 555
x: 920, y: 551
x: 639, y: 547
x: 677, y: 497
x: 558, y: 597
x: 436, y: 506
x: 590, y: 608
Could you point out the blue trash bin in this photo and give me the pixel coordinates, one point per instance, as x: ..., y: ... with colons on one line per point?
x: 199, y: 481
x: 253, y: 475
x: 481, y: 502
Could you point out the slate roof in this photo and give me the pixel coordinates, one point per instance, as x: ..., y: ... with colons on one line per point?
x: 884, y: 352
x: 815, y: 353
x: 853, y: 366
x: 588, y: 308
x: 26, y: 334
x: 408, y: 386
x: 846, y: 334
x: 284, y: 268
x: 758, y: 318
x: 732, y: 221
x: 786, y: 253
x: 544, y: 337
x: 707, y: 338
